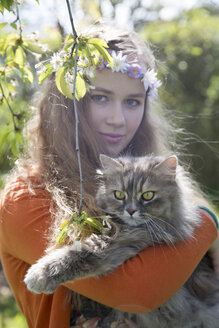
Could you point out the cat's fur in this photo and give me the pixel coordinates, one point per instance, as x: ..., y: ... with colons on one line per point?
x: 169, y: 216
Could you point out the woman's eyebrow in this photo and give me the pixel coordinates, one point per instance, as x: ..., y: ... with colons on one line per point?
x: 134, y: 95
x: 103, y: 90
x: 137, y: 95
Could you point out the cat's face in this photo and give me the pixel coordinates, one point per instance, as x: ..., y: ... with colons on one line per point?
x: 137, y: 189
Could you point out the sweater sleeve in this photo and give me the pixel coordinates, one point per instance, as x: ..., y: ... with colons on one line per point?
x: 139, y: 285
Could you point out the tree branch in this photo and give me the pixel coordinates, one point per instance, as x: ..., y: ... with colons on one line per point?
x: 10, y: 108
x: 75, y: 48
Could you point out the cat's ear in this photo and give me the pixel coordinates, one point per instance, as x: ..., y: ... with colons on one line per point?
x: 168, y: 166
x: 109, y: 163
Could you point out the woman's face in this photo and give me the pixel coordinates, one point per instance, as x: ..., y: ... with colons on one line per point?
x: 116, y: 108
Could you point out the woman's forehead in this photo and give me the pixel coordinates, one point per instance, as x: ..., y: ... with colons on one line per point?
x: 117, y: 82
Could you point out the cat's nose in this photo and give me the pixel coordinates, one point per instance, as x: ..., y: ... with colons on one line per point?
x: 131, y: 211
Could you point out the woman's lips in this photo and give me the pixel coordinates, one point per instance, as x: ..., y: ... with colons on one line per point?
x: 110, y: 137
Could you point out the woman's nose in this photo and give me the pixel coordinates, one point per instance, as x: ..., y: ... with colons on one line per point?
x: 115, y: 115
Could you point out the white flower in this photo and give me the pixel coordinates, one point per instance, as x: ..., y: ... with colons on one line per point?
x: 69, y: 78
x: 119, y: 62
x: 149, y: 78
x: 151, y: 82
x: 89, y: 87
x: 56, y: 61
x: 44, y: 47
x: 83, y: 61
x: 41, y: 70
x: 90, y: 72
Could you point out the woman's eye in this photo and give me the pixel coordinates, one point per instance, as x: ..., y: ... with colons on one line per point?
x: 148, y: 195
x: 99, y: 98
x: 132, y: 102
x: 119, y: 194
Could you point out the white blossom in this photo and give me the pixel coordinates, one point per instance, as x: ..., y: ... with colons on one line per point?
x: 151, y: 82
x: 56, y: 61
x: 119, y: 62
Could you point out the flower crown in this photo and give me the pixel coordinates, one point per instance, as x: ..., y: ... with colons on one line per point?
x: 120, y: 64
x: 92, y: 56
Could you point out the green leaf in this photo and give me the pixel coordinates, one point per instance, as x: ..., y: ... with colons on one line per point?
x: 95, y: 224
x: 1, y: 9
x: 9, y: 54
x: 80, y: 87
x: 15, y: 144
x: 44, y: 75
x: 29, y: 75
x: 19, y: 57
x: 7, y: 4
x: 61, y: 84
x: 33, y: 47
x: 2, y: 25
x: 104, y: 53
x: 99, y: 42
x: 14, y: 25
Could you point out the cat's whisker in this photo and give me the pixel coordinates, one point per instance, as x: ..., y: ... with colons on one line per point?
x: 163, y: 233
x: 147, y: 224
x: 175, y: 231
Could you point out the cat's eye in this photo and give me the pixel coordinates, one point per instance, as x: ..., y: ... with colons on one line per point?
x: 148, y: 195
x: 119, y: 194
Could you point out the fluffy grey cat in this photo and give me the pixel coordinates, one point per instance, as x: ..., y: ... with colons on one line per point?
x: 151, y: 202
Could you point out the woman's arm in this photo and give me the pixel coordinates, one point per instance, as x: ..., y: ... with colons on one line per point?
x: 139, y: 285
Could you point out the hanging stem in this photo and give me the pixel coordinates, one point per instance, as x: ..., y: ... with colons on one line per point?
x: 18, y: 19
x: 75, y: 48
x: 76, y: 130
x: 71, y: 19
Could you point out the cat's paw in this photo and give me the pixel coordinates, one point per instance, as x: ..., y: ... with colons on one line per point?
x: 41, y: 278
x: 35, y: 279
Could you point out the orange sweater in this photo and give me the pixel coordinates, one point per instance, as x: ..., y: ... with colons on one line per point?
x: 139, y: 285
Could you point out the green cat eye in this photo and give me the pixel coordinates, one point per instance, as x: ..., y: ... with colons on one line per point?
x: 119, y: 194
x: 148, y: 195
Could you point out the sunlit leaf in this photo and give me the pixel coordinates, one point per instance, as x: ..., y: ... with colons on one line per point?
x: 19, y: 57
x: 61, y: 84
x: 29, y: 74
x: 44, y: 75
x: 14, y: 26
x: 80, y: 87
x: 33, y: 47
x: 99, y: 42
x: 104, y: 53
x: 2, y: 25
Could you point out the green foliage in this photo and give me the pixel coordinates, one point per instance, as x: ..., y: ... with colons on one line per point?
x: 10, y: 316
x: 86, y: 58
x: 6, y: 4
x: 189, y: 45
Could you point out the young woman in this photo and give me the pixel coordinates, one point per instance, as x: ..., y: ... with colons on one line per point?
x: 116, y: 117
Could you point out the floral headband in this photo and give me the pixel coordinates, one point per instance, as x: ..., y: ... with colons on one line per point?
x: 92, y: 56
x: 149, y: 79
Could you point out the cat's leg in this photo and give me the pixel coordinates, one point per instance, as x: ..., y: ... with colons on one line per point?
x: 56, y: 267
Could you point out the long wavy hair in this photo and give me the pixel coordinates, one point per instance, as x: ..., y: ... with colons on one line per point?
x: 51, y: 132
